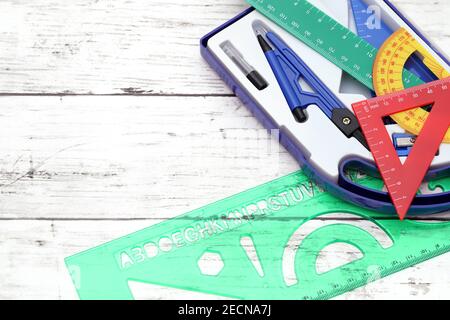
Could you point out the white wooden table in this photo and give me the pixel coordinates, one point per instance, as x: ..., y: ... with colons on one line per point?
x: 110, y: 121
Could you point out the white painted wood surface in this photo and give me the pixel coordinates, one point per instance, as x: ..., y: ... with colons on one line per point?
x: 110, y: 122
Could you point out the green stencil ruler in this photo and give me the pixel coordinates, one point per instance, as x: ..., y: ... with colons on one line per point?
x: 263, y: 243
x: 442, y: 184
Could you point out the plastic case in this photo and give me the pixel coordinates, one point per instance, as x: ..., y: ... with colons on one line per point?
x: 266, y: 105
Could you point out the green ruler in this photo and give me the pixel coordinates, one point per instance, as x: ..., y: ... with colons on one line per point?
x: 263, y: 243
x: 328, y: 37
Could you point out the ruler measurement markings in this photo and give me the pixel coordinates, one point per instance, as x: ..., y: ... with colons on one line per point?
x: 333, y: 290
x: 322, y: 26
x: 357, y: 63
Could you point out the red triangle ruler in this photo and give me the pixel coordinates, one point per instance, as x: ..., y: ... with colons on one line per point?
x: 404, y: 180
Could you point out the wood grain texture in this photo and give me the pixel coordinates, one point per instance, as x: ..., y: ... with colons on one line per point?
x: 122, y: 47
x: 129, y: 157
x: 130, y: 46
x: 77, y: 171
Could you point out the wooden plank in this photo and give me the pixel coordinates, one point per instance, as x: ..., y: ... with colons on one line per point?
x: 32, y: 254
x: 66, y: 163
x: 124, y: 46
x: 129, y: 157
x: 130, y: 46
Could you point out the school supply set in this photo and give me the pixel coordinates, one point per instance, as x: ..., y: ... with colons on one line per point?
x: 329, y: 74
x: 318, y: 59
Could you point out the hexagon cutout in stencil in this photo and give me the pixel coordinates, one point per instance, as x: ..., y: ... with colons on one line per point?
x: 210, y: 264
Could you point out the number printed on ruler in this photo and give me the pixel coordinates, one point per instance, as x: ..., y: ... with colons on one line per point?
x: 324, y: 34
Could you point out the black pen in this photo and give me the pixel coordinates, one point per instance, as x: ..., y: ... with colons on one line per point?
x: 252, y: 75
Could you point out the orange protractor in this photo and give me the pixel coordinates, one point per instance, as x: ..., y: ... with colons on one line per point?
x: 390, y: 75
